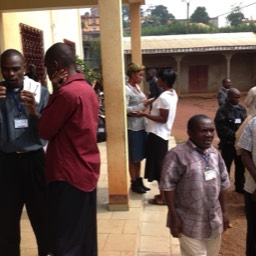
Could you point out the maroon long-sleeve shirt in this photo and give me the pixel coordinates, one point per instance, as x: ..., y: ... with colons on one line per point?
x: 70, y: 122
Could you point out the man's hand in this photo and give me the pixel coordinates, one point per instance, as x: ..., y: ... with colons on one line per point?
x: 28, y: 100
x: 175, y: 226
x: 226, y: 223
x: 58, y: 78
x: 2, y: 92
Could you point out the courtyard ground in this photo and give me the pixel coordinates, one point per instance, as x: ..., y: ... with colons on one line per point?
x: 233, y: 240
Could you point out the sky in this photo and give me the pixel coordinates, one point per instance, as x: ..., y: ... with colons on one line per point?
x: 213, y: 7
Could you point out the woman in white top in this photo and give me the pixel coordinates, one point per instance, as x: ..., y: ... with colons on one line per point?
x: 160, y: 122
x: 136, y: 101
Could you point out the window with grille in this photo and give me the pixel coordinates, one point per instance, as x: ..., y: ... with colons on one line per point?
x: 33, y: 49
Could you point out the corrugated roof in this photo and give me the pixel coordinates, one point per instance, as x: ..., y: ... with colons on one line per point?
x: 195, y: 43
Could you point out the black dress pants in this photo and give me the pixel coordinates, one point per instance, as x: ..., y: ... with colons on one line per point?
x: 22, y: 182
x: 229, y: 155
x: 72, y: 220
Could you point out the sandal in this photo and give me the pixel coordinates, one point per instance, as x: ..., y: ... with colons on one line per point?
x: 156, y: 201
x: 158, y: 196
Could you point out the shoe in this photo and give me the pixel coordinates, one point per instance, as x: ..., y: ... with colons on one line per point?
x: 135, y: 187
x: 239, y: 190
x: 157, y: 201
x: 140, y: 181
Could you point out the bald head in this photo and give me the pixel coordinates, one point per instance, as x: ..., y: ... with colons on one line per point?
x: 226, y: 83
x: 233, y: 96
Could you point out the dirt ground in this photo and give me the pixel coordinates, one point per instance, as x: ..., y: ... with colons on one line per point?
x: 233, y: 240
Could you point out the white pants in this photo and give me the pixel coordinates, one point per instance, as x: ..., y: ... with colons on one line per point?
x: 194, y: 247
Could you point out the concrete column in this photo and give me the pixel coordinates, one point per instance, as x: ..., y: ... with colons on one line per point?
x: 2, y: 32
x: 2, y: 43
x: 178, y: 59
x: 228, y: 57
x: 114, y: 92
x: 135, y: 33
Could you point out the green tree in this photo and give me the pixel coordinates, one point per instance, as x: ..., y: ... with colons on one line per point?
x: 126, y: 12
x: 200, y: 16
x: 159, y: 14
x: 90, y: 74
x: 235, y: 17
x: 126, y: 16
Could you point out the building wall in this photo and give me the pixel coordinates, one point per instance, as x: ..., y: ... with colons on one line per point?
x: 242, y: 68
x: 56, y: 26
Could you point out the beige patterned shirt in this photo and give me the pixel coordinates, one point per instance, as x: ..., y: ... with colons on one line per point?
x: 196, y: 199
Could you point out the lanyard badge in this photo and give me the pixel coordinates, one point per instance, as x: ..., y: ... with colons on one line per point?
x: 19, y: 121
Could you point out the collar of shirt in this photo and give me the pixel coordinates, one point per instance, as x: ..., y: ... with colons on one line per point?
x: 199, y: 150
x: 234, y: 107
x: 74, y: 77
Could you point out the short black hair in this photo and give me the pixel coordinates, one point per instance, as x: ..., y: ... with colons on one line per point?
x: 11, y: 52
x: 168, y: 75
x: 225, y: 79
x: 61, y: 53
x: 194, y: 120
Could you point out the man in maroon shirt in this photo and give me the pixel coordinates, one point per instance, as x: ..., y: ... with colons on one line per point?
x: 70, y: 122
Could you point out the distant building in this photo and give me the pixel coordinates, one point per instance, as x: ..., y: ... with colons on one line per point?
x: 202, y: 60
x: 90, y: 32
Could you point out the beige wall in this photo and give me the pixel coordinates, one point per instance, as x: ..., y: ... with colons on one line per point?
x: 56, y: 25
x: 242, y: 68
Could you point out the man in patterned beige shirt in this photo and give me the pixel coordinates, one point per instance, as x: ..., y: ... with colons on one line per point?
x: 247, y: 143
x: 195, y: 181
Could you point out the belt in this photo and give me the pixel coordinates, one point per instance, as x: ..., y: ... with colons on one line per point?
x: 20, y: 152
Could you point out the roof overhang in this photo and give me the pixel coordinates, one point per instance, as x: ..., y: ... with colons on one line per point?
x: 24, y: 5
x: 197, y: 49
x: 195, y: 43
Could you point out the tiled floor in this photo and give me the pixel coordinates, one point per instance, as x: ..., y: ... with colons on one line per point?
x: 141, y: 231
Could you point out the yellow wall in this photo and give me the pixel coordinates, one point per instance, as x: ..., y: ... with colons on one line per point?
x: 56, y: 26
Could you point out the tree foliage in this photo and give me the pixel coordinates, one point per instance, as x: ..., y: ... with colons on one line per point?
x: 159, y: 15
x: 177, y: 28
x: 200, y: 16
x: 158, y: 21
x: 90, y: 74
x: 235, y: 17
x: 126, y: 16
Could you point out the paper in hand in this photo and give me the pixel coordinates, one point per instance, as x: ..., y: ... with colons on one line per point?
x: 32, y: 86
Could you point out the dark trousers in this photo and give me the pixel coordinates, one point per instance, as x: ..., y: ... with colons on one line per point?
x: 250, y: 212
x: 228, y: 154
x: 22, y: 182
x: 73, y: 220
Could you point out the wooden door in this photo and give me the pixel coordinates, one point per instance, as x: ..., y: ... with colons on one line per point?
x: 198, y: 79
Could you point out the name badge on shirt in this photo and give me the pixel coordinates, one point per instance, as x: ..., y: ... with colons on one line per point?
x: 210, y: 175
x: 20, y: 123
x: 238, y: 121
